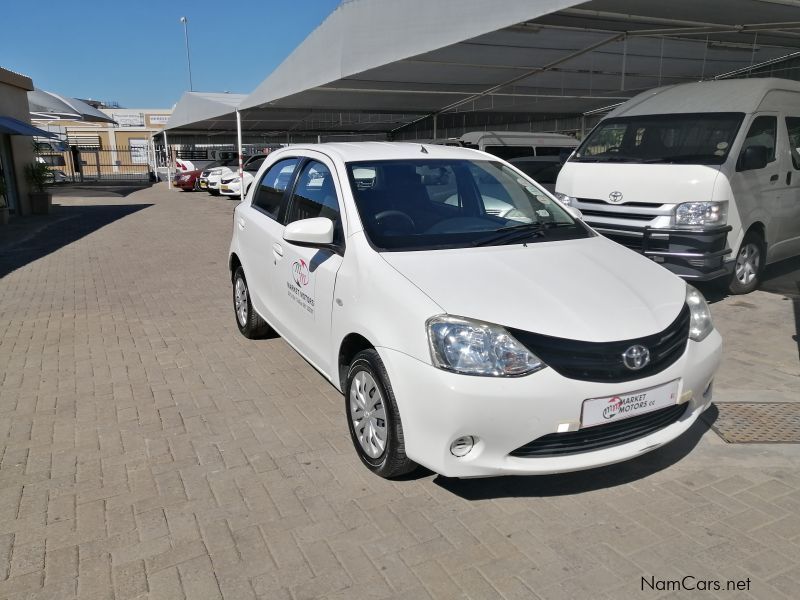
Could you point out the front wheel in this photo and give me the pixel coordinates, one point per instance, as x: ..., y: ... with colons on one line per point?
x: 373, y: 419
x: 748, y: 266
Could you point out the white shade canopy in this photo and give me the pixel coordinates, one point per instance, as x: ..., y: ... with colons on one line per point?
x: 378, y: 65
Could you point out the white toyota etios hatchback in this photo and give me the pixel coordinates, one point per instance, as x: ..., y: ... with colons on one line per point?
x: 475, y: 325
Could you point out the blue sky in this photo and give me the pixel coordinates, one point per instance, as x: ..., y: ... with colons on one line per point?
x: 134, y: 53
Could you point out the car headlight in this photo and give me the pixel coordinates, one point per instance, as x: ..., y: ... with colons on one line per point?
x: 701, y: 214
x: 565, y: 200
x: 477, y: 348
x: 700, y: 324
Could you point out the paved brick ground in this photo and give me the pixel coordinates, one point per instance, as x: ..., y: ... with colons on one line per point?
x: 148, y: 450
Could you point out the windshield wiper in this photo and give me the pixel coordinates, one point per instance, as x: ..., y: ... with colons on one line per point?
x: 677, y: 158
x: 618, y: 159
x: 506, y: 235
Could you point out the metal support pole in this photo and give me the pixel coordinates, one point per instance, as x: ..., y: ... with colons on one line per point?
x: 624, y: 62
x: 185, y: 22
x: 168, y: 161
x: 239, y: 142
x: 435, y: 119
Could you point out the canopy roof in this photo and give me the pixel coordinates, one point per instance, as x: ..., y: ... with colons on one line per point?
x: 45, y: 105
x: 380, y: 64
x: 205, y: 111
x: 12, y: 126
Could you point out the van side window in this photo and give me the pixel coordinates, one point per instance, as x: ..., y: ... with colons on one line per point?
x: 269, y: 193
x: 509, y: 152
x: 793, y: 127
x: 763, y: 132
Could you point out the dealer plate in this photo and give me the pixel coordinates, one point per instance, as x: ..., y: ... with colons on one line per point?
x: 597, y: 411
x: 202, y: 184
x: 224, y: 188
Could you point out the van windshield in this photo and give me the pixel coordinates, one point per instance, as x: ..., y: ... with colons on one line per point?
x: 421, y: 204
x: 689, y: 138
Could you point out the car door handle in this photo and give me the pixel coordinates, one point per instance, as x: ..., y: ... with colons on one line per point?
x: 788, y: 178
x: 774, y: 177
x: 277, y: 250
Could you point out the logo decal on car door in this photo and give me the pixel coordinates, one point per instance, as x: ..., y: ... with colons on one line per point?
x: 299, y: 289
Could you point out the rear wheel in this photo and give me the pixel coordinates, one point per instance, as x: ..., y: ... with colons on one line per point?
x: 250, y: 324
x: 749, y: 264
x: 373, y: 418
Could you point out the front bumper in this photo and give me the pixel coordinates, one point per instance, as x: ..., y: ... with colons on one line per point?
x: 436, y: 407
x: 696, y: 254
x: 229, y: 189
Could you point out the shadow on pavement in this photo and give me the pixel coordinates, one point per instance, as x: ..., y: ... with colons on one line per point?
x: 781, y: 278
x: 72, y: 223
x: 582, y: 481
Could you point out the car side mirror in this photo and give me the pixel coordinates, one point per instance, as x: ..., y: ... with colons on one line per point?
x: 753, y: 157
x: 574, y: 212
x: 313, y: 233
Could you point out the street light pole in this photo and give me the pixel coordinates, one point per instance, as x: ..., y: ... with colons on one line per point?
x: 185, y: 22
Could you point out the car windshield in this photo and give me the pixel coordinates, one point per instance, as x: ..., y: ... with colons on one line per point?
x: 542, y: 170
x: 422, y: 204
x: 700, y: 139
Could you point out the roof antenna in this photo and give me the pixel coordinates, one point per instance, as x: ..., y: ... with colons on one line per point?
x: 422, y: 149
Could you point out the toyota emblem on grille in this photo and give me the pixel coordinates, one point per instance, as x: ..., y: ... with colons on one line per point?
x: 615, y: 197
x: 636, y: 357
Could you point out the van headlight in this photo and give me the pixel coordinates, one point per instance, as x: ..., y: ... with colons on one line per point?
x: 476, y: 348
x: 700, y: 324
x: 565, y: 200
x: 701, y: 214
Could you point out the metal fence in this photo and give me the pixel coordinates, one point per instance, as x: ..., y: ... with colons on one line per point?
x: 85, y: 164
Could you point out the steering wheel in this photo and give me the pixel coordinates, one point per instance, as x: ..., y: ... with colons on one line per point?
x: 398, y: 216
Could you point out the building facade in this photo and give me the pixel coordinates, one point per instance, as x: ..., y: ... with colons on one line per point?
x: 16, y: 151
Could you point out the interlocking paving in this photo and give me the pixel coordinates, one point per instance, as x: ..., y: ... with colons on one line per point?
x: 758, y: 422
x: 147, y: 450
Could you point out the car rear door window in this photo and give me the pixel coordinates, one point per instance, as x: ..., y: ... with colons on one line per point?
x: 273, y: 184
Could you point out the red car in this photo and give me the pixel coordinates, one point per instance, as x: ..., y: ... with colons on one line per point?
x: 187, y: 180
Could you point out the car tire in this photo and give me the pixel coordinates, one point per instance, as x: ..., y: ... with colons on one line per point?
x: 367, y: 389
x: 749, y: 264
x: 250, y: 324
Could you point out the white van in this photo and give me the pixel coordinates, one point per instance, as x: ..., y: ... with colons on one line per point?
x: 515, y: 144
x: 702, y: 177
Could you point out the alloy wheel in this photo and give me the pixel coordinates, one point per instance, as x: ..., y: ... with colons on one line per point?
x: 240, y: 301
x: 747, y: 263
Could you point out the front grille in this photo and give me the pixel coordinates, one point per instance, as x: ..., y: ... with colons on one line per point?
x: 602, y: 361
x: 600, y: 436
x: 616, y: 215
x: 637, y: 204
